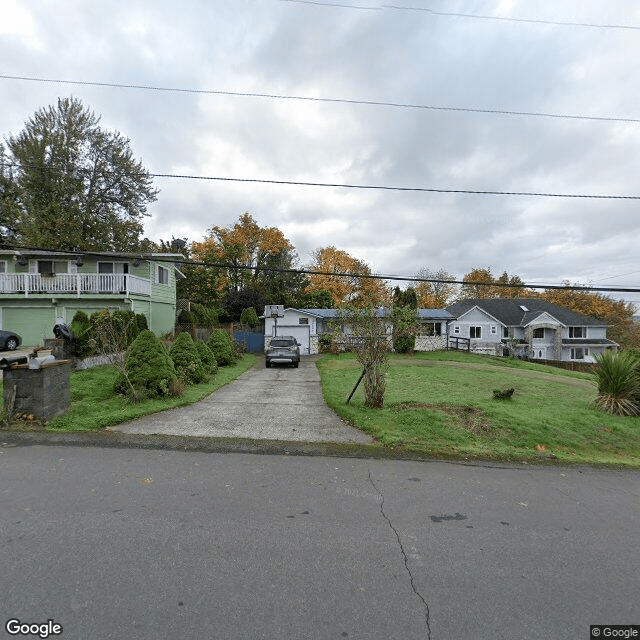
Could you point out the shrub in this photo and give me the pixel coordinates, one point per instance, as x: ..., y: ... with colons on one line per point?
x: 204, y: 315
x: 206, y: 357
x: 222, y: 346
x: 249, y: 316
x: 149, y: 371
x: 324, y: 342
x: 618, y: 378
x: 184, y: 318
x: 141, y: 320
x: 404, y: 344
x: 186, y: 360
x: 124, y: 323
x: 81, y: 329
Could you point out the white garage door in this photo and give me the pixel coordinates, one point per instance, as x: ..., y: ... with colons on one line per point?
x: 300, y: 332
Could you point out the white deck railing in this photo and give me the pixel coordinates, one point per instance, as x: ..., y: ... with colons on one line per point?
x: 79, y: 284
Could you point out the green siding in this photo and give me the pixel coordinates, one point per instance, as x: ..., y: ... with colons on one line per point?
x: 163, y: 318
x: 32, y: 324
x: 34, y: 317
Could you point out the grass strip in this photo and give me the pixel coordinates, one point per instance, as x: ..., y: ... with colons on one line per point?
x: 95, y: 406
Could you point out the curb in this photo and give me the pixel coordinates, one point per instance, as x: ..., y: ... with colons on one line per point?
x: 117, y: 440
x: 165, y: 442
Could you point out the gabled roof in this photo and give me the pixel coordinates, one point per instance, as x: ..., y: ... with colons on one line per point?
x: 518, y: 312
x: 423, y: 314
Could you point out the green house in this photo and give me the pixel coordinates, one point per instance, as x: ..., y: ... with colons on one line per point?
x: 39, y: 288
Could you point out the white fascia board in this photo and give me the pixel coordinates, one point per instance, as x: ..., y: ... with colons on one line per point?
x: 459, y: 318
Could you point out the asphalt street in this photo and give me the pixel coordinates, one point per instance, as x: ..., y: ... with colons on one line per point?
x: 139, y: 544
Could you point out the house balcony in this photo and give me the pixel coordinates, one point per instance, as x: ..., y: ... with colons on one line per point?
x: 121, y: 284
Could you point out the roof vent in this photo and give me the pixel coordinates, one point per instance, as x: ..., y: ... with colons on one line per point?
x: 523, y: 308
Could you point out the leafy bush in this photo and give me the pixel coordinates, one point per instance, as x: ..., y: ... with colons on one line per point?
x: 149, y: 371
x: 618, y: 378
x: 204, y: 315
x: 184, y: 318
x: 324, y: 342
x: 125, y: 323
x: 186, y: 360
x: 141, y: 320
x: 249, y: 316
x: 222, y: 346
x: 404, y: 344
x: 206, y: 357
x: 81, y: 329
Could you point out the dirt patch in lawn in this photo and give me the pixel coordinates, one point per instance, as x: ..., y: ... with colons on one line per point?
x: 469, y: 418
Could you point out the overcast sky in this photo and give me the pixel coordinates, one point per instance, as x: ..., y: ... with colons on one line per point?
x: 369, y: 53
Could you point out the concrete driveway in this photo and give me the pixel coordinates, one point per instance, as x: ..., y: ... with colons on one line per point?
x: 278, y: 403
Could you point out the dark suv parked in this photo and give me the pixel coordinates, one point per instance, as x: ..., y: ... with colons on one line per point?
x: 284, y: 349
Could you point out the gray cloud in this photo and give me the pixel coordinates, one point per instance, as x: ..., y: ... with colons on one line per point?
x: 268, y: 46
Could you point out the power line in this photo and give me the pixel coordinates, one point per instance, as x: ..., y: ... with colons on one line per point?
x: 394, y: 188
x: 558, y: 23
x: 341, y: 274
x: 370, y: 103
x: 341, y: 185
x: 410, y: 278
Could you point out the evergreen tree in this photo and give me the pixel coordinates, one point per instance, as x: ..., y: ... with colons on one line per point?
x: 68, y: 184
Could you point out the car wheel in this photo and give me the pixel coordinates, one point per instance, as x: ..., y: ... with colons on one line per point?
x: 267, y: 364
x: 296, y: 364
x: 11, y: 344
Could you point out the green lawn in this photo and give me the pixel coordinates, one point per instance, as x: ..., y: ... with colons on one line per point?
x: 442, y: 404
x: 94, y: 405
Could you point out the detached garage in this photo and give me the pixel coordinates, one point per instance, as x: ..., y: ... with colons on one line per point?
x: 303, y: 324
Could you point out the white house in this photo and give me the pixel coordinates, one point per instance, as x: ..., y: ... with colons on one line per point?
x: 536, y: 328
x: 306, y: 325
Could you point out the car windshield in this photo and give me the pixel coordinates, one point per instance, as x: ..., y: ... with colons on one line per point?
x: 282, y: 343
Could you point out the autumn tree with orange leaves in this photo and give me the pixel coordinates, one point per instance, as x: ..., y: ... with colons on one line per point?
x: 481, y: 283
x: 344, y: 277
x: 432, y: 291
x: 252, y: 258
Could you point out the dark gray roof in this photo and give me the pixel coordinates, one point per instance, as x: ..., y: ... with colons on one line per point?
x: 590, y: 341
x: 510, y: 312
x: 434, y: 314
x: 424, y: 314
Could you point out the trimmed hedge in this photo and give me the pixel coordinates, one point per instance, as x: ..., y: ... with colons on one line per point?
x: 149, y: 369
x: 206, y: 357
x: 222, y: 346
x: 186, y: 360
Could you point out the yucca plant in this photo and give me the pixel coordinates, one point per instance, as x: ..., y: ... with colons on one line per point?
x: 618, y: 378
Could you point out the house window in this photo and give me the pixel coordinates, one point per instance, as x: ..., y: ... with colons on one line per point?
x: 431, y: 329
x: 303, y: 320
x: 105, y: 267
x: 51, y: 267
x: 577, y: 332
x: 3, y: 266
x: 579, y: 353
x: 505, y: 332
x: 539, y: 332
x: 456, y: 329
x: 475, y: 332
x: 494, y: 329
x: 163, y: 275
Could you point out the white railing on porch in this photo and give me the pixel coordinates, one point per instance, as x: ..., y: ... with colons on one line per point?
x: 79, y: 284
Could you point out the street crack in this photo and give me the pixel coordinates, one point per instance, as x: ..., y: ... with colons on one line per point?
x: 404, y: 556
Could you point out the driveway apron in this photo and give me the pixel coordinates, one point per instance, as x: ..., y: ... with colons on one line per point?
x: 276, y: 403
